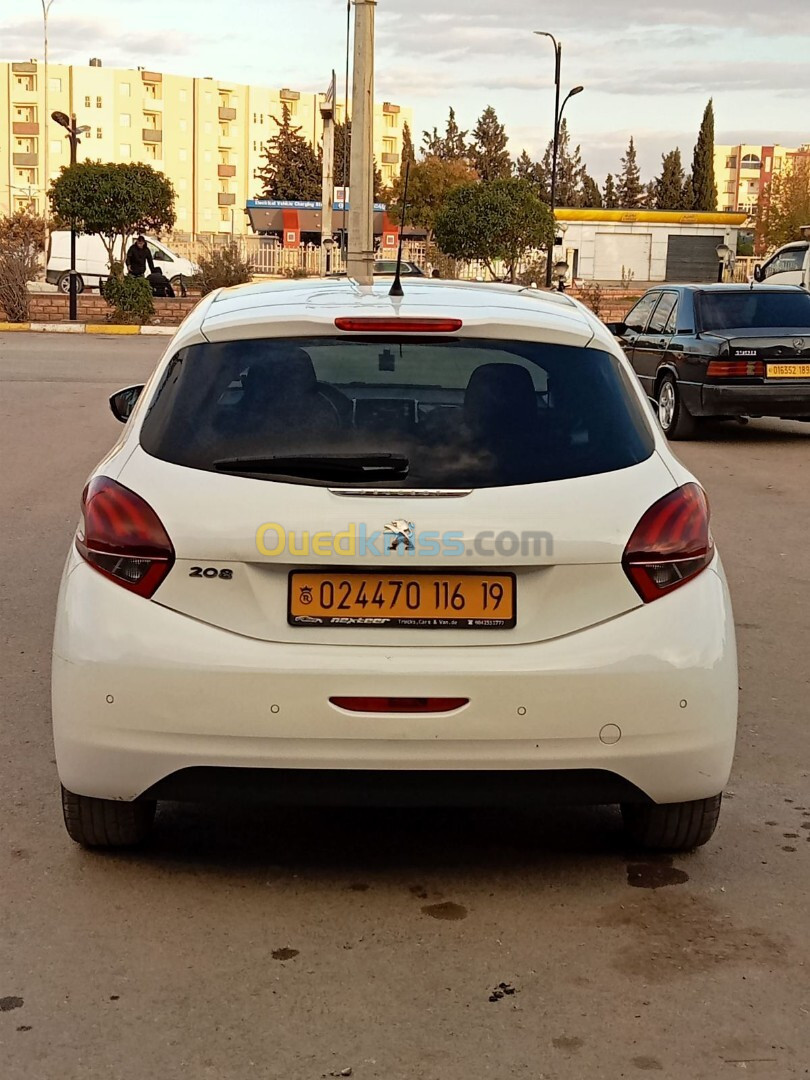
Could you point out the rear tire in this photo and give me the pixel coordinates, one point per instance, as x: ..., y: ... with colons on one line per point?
x: 671, y: 826
x: 674, y: 417
x: 106, y: 822
x: 63, y: 284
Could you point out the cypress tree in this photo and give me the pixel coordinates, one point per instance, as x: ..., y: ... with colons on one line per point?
x: 629, y: 189
x: 609, y: 197
x: 488, y: 154
x: 703, y: 183
x: 669, y: 185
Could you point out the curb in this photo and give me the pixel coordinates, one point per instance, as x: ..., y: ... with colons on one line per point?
x: 85, y: 328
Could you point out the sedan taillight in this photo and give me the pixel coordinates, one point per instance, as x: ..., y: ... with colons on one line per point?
x: 735, y: 368
x: 671, y: 544
x: 123, y: 538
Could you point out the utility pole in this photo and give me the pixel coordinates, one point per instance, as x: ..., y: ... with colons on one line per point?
x: 328, y: 188
x: 361, y: 206
x: 73, y: 133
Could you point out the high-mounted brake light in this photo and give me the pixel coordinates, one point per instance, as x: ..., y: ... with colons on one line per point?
x: 370, y: 325
x: 671, y: 544
x: 398, y: 704
x: 123, y: 538
x: 735, y: 368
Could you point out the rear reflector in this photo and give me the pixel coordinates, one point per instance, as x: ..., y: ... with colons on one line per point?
x: 123, y: 538
x: 671, y: 544
x: 399, y: 704
x: 738, y: 368
x: 398, y: 326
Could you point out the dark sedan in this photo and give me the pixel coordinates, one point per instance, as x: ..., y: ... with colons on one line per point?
x: 720, y: 351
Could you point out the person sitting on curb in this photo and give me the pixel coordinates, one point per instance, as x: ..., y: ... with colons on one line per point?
x: 160, y: 284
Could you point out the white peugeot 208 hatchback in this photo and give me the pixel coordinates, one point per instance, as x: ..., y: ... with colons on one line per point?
x: 429, y: 549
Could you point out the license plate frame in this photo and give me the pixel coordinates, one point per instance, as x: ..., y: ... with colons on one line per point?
x: 305, y: 616
x: 788, y: 370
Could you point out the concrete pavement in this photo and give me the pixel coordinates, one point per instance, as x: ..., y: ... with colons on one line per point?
x: 295, y: 945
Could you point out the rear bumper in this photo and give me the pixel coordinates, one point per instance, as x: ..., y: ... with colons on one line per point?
x: 771, y: 400
x: 141, y: 693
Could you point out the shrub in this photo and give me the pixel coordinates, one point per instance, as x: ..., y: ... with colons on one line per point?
x: 222, y: 266
x: 129, y: 297
x: 22, y: 239
x: 590, y: 293
x: 294, y: 272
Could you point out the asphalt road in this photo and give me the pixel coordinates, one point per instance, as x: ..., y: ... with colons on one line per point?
x: 296, y: 945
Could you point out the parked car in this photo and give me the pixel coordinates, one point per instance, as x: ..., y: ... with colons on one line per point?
x: 790, y: 265
x: 720, y: 351
x: 92, y: 261
x: 351, y: 548
x: 388, y: 267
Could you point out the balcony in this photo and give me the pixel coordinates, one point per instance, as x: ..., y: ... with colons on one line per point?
x: 290, y: 95
x: 226, y: 170
x: 151, y: 76
x: 25, y: 127
x: 389, y: 108
x: 226, y: 198
x: 29, y: 67
x: 226, y: 113
x: 27, y: 161
x: 152, y: 135
x: 390, y: 159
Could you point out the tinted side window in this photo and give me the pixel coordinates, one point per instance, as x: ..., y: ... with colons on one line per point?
x: 638, y: 316
x: 663, y: 320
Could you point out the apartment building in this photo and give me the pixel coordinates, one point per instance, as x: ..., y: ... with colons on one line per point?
x: 205, y: 134
x: 742, y: 172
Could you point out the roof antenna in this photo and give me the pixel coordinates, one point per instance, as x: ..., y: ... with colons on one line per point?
x: 396, y: 287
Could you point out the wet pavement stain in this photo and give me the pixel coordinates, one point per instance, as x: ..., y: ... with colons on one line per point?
x: 655, y: 875
x: 284, y: 954
x: 787, y: 847
x: 790, y: 835
x: 805, y: 825
x: 567, y: 1042
x: 647, y: 1064
x: 419, y: 891
x: 502, y: 990
x: 447, y: 910
x: 359, y: 886
x: 9, y: 1003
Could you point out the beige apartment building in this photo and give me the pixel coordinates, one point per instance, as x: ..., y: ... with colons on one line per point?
x: 205, y: 134
x: 742, y: 172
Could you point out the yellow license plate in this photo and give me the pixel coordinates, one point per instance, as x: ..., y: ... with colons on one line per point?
x: 417, y: 599
x: 788, y: 371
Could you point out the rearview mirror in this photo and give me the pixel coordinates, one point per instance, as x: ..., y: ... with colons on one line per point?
x: 618, y: 329
x: 758, y: 275
x: 124, y: 401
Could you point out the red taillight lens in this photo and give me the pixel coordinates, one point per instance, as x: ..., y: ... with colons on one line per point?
x: 671, y: 544
x: 398, y: 326
x: 735, y: 368
x: 398, y: 704
x: 123, y: 538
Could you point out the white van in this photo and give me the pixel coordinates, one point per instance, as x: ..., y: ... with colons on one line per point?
x: 92, y: 262
x: 790, y: 265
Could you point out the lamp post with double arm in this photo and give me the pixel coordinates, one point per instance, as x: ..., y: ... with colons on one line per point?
x: 73, y: 133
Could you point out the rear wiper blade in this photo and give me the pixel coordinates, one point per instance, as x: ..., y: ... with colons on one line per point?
x: 320, y: 466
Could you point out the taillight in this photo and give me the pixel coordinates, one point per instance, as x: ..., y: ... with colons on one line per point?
x: 399, y: 704
x: 735, y: 368
x: 388, y: 325
x: 123, y: 538
x: 671, y: 544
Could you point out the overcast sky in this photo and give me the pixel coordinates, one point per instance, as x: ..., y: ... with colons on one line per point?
x: 648, y: 66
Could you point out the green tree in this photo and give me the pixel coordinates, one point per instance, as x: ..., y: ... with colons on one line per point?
x: 343, y: 140
x: 784, y: 206
x: 408, y: 153
x: 431, y: 182
x: 591, y: 195
x: 688, y: 195
x: 669, y: 185
x: 452, y: 146
x: 629, y: 190
x: 704, y: 187
x: 535, y: 172
x: 292, y: 167
x: 648, y: 198
x: 494, y: 220
x: 610, y: 198
x: 488, y: 154
x: 570, y: 171
x: 112, y: 201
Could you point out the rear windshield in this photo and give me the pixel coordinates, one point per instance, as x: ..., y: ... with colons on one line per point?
x: 418, y: 413
x: 754, y: 308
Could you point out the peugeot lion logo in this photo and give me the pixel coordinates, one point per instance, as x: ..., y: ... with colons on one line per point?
x: 401, y: 532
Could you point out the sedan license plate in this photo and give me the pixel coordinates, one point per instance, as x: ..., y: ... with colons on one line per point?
x: 418, y: 600
x: 789, y: 371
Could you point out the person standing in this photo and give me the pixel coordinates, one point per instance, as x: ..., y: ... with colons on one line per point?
x: 138, y: 256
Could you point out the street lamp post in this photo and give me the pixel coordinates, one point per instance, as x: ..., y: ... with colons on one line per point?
x: 723, y: 256
x: 73, y: 133
x: 555, y: 151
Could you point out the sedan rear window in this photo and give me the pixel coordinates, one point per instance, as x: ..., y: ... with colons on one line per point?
x: 424, y: 413
x: 754, y: 309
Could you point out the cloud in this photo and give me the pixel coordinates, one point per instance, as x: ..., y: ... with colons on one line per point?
x: 78, y: 35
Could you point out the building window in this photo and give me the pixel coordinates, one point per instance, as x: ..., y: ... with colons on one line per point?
x: 55, y: 84
x: 234, y: 101
x: 208, y: 127
x: 224, y: 131
x: 207, y: 185
x: 389, y: 146
x: 751, y: 161
x: 234, y: 130
x: 254, y: 117
x: 207, y: 215
x: 731, y: 162
x: 261, y: 118
x: 98, y: 102
x: 26, y: 82
x: 87, y: 101
x: 124, y: 89
x: 125, y: 150
x: 255, y: 146
x: 181, y: 214
x: 98, y: 133
x: 182, y: 155
x: 182, y: 184
x: 125, y: 119
x: 208, y: 97
x: 207, y: 157
x: 777, y: 164
x: 390, y: 120
x: 183, y: 95
x: 224, y: 215
x: 184, y: 125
